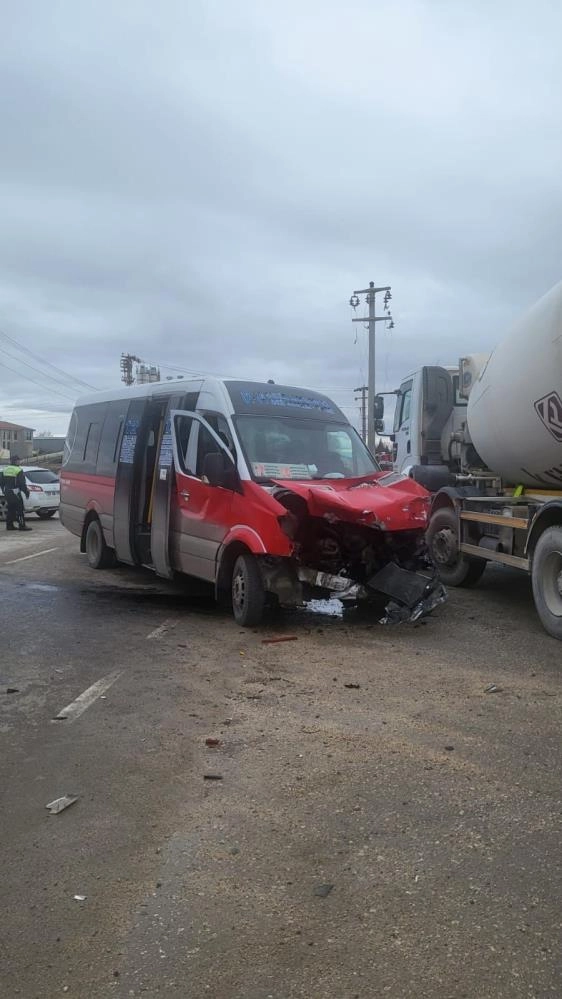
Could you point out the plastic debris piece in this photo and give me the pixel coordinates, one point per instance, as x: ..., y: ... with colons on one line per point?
x: 449, y: 749
x: 492, y: 688
x: 322, y: 891
x: 59, y: 804
x: 80, y: 898
x: 282, y: 638
x: 353, y: 686
x: 212, y: 776
x: 12, y: 690
x: 212, y: 742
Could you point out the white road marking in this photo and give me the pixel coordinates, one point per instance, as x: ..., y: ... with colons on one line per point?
x: 23, y: 558
x: 161, y: 629
x: 77, y: 707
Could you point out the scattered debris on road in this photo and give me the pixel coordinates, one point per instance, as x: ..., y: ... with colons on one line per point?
x: 282, y: 638
x: 59, y: 804
x: 449, y: 749
x: 80, y: 898
x: 352, y: 686
x: 212, y: 777
x: 212, y: 742
x: 492, y: 688
x: 322, y: 891
x: 12, y: 690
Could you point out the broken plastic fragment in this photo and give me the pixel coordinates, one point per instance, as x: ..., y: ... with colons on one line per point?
x: 59, y: 804
x: 397, y: 613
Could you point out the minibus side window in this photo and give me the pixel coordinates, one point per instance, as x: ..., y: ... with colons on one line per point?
x: 220, y: 426
x: 108, y: 452
x: 183, y: 429
x: 91, y: 445
x: 206, y: 444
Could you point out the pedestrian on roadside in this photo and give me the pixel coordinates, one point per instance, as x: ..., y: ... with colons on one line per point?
x: 14, y: 485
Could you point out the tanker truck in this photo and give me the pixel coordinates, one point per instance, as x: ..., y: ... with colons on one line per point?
x: 485, y: 437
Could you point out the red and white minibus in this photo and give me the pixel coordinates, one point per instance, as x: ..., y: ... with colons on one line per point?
x: 265, y: 491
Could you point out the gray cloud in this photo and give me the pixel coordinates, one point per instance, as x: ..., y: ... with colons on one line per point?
x: 205, y: 184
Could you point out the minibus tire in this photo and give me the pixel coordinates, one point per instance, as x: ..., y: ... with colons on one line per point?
x: 248, y: 593
x: 97, y: 552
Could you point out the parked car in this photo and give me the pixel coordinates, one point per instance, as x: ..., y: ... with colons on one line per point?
x: 44, y: 493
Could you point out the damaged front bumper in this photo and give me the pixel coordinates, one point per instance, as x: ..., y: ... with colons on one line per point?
x: 413, y: 595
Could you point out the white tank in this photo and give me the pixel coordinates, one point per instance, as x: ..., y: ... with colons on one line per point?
x: 515, y: 405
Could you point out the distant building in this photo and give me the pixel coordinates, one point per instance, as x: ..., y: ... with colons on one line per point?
x: 15, y: 441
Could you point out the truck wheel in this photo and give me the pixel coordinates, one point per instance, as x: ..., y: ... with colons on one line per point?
x: 546, y: 577
x: 248, y: 593
x: 98, y: 554
x: 454, y: 568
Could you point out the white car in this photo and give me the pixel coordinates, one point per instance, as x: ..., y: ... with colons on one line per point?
x: 44, y: 493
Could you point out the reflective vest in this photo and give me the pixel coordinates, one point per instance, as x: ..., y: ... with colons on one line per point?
x: 11, y: 471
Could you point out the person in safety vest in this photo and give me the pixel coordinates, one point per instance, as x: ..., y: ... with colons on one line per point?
x: 12, y: 480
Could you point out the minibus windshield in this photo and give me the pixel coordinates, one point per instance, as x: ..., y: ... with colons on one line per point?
x: 285, y: 447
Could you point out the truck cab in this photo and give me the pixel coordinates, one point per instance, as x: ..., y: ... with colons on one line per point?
x: 429, y: 409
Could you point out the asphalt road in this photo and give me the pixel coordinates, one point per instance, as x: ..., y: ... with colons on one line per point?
x: 383, y: 826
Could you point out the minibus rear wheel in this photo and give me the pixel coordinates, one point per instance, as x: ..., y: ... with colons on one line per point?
x: 248, y: 593
x: 97, y: 552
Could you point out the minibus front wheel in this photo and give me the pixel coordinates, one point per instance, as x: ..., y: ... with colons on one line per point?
x: 248, y: 592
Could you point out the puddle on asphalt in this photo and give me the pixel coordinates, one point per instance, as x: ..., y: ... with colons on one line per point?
x: 201, y: 597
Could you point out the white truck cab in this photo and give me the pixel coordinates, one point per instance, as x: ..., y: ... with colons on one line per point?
x: 422, y: 428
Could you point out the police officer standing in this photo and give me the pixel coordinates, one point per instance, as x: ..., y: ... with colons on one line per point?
x: 12, y: 479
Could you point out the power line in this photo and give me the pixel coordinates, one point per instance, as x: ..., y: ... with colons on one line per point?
x: 34, y: 380
x: 42, y: 360
x: 336, y: 390
x: 43, y: 374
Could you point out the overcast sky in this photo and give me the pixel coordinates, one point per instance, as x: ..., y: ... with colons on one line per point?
x: 203, y: 183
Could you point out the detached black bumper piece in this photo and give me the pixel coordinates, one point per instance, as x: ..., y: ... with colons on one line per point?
x: 412, y: 594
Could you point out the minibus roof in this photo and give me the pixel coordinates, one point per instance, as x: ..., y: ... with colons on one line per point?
x: 246, y: 397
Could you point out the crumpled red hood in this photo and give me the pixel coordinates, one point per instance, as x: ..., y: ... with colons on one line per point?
x: 402, y: 505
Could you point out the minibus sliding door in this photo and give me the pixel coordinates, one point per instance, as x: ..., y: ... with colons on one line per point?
x: 124, y: 503
x: 162, y: 493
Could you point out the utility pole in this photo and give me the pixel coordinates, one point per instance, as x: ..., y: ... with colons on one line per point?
x: 371, y: 293
x: 126, y: 366
x: 363, y: 389
x: 144, y: 373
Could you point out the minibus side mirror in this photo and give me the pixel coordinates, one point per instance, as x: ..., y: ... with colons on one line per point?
x: 219, y: 470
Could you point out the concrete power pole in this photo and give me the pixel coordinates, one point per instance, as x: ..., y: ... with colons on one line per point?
x: 372, y: 320
x: 363, y: 389
x: 126, y: 366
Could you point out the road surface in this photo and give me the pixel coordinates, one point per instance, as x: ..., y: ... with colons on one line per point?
x: 382, y: 825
